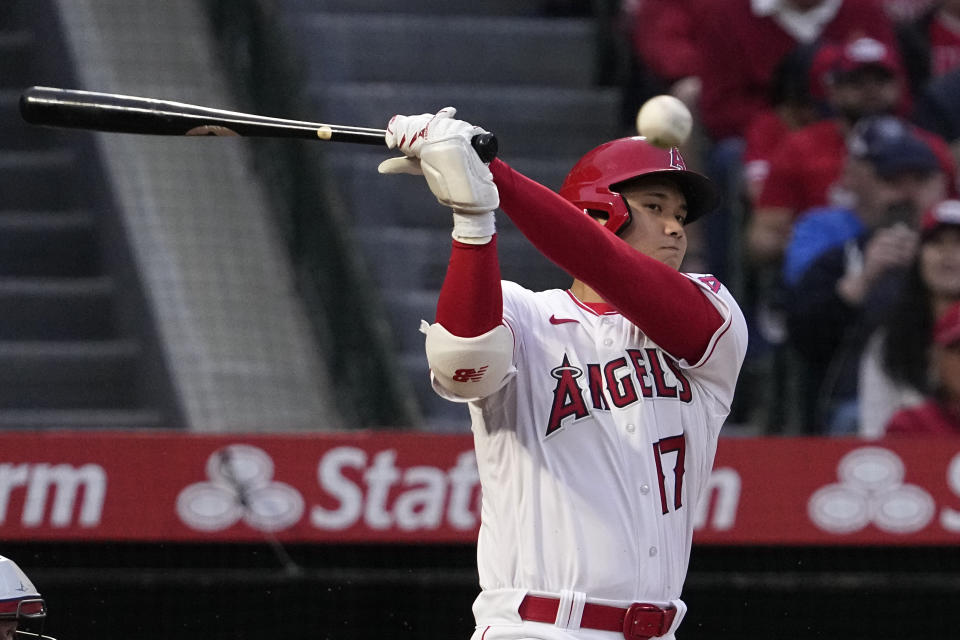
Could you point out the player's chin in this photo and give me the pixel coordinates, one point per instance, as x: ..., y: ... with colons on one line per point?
x: 671, y: 256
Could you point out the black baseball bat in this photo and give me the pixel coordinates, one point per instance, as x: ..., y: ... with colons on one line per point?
x: 95, y: 111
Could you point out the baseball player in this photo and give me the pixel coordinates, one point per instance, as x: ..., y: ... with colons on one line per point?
x: 20, y: 604
x: 595, y: 410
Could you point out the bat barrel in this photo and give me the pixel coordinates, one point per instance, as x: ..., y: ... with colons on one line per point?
x: 99, y: 112
x: 132, y: 114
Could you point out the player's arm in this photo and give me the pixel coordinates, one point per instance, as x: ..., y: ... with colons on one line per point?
x: 469, y: 349
x: 667, y: 306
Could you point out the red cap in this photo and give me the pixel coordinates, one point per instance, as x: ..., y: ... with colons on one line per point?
x: 866, y: 52
x: 946, y: 212
x: 947, y: 329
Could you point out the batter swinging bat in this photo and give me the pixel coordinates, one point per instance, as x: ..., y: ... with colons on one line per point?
x: 132, y: 114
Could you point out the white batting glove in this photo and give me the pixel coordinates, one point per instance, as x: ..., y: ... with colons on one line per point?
x: 407, y: 133
x: 438, y: 147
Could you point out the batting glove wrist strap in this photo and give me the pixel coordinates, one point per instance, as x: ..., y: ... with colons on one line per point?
x: 473, y: 228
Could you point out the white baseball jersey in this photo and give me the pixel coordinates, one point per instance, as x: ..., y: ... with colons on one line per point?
x: 593, y: 455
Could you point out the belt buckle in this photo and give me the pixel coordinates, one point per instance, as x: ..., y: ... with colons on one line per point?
x: 644, y: 621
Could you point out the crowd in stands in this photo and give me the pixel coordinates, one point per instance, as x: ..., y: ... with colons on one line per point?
x: 833, y: 128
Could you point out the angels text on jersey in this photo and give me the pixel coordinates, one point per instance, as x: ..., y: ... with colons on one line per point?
x: 622, y: 381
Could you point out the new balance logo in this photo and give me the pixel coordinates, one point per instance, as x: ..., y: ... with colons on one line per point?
x: 469, y: 375
x: 556, y: 320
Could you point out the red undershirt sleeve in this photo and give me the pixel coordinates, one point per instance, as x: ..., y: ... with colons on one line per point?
x: 471, y: 300
x: 666, y: 305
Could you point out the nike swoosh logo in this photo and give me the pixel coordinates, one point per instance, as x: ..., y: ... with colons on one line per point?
x: 556, y: 320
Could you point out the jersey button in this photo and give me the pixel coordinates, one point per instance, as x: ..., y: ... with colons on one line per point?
x: 630, y: 428
x: 653, y: 551
x: 644, y: 489
x: 608, y: 342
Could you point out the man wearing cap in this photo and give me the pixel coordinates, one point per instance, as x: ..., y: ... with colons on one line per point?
x: 859, y: 79
x: 889, y: 172
x: 847, y: 265
x: 941, y: 413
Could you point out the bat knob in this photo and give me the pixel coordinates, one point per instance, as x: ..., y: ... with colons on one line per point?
x: 485, y: 144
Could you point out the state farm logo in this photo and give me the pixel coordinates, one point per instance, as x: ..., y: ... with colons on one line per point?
x: 871, y: 491
x: 355, y: 488
x: 240, y: 487
x: 55, y: 495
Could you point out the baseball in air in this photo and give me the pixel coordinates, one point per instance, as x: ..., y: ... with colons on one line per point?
x: 664, y: 121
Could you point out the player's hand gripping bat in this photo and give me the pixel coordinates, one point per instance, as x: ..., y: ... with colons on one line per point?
x: 132, y: 114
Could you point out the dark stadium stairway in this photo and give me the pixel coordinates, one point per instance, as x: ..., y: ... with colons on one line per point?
x: 507, y: 66
x: 70, y: 356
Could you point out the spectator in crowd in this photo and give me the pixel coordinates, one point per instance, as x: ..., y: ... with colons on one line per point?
x: 883, y: 155
x: 846, y: 284
x: 797, y: 101
x: 895, y: 368
x: 930, y: 44
x: 864, y: 79
x: 793, y: 105
x: 744, y: 40
x: 941, y: 413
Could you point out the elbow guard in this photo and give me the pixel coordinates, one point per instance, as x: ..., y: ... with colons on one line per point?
x: 470, y: 367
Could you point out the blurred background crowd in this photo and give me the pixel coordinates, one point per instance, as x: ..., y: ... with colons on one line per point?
x: 832, y: 127
x: 272, y: 285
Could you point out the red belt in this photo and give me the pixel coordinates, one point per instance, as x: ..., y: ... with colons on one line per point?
x: 639, y: 621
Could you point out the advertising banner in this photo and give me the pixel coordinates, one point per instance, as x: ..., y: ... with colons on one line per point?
x: 392, y: 487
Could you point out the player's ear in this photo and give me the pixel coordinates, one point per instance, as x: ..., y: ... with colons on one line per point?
x: 598, y: 215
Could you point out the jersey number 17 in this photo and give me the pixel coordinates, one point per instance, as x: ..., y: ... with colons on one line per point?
x: 673, y: 444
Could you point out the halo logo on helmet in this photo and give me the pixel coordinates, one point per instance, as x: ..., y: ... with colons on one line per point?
x: 593, y: 182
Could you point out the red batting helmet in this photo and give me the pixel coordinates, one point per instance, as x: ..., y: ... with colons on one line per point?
x: 593, y: 182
